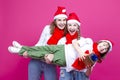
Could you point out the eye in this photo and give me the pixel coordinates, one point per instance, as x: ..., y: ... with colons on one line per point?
x: 106, y: 49
x: 58, y: 19
x: 64, y: 19
x: 69, y: 25
x: 74, y: 25
x: 104, y: 45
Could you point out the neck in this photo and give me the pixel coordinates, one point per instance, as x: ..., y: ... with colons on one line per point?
x: 69, y: 37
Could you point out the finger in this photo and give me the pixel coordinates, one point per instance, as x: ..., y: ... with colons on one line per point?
x: 47, y: 60
x: 25, y: 54
x: 83, y: 58
x: 80, y: 59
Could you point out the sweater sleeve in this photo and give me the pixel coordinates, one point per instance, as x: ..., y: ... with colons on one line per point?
x: 89, y: 43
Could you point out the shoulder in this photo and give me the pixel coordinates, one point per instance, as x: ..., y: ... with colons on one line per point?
x: 86, y: 39
x: 62, y: 40
x: 47, y: 27
x: 89, y: 40
x: 83, y: 40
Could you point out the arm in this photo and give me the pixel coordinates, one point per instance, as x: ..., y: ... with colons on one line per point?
x: 82, y: 45
x: 77, y: 48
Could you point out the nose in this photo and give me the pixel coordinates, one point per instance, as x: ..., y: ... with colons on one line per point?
x: 62, y: 22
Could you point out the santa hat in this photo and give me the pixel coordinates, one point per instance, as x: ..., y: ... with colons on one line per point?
x: 73, y: 18
x: 110, y: 43
x: 61, y: 12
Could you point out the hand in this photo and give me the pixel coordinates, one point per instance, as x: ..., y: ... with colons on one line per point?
x: 25, y: 54
x: 88, y: 62
x: 89, y: 66
x: 48, y: 58
x: 82, y: 56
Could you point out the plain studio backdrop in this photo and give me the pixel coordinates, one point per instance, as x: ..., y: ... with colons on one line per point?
x: 23, y: 20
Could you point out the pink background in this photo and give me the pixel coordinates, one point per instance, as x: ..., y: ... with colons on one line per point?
x: 23, y: 20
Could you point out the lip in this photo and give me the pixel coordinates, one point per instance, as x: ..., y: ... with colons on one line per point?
x: 72, y: 31
x: 61, y: 24
x: 102, y: 50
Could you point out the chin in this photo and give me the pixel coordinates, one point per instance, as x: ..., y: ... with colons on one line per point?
x: 72, y: 33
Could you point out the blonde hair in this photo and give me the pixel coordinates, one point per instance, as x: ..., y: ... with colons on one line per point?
x: 79, y: 34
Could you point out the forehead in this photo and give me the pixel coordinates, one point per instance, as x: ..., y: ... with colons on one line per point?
x: 105, y: 43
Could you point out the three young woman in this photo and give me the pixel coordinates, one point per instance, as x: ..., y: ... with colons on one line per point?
x: 73, y: 24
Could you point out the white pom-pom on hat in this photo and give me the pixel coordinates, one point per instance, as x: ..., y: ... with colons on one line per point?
x: 61, y: 12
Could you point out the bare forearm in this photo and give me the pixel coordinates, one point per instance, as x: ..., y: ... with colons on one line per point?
x: 77, y: 47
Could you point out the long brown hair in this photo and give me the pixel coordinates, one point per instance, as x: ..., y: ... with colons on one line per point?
x: 53, y: 25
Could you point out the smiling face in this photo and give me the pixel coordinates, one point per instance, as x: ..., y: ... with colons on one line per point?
x: 60, y: 22
x: 72, y: 28
x: 103, y: 47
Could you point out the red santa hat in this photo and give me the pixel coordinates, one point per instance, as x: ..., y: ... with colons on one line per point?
x: 110, y: 43
x: 73, y: 18
x: 61, y: 12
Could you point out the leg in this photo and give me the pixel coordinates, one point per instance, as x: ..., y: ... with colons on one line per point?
x: 34, y: 69
x: 65, y: 75
x: 38, y: 52
x: 37, y: 67
x: 50, y: 72
x: 80, y: 76
x: 35, y: 52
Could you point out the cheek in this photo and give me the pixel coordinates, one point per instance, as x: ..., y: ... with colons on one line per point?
x: 57, y: 23
x: 64, y: 22
x: 68, y: 27
x: 105, y: 51
x: 76, y: 27
x: 98, y: 48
